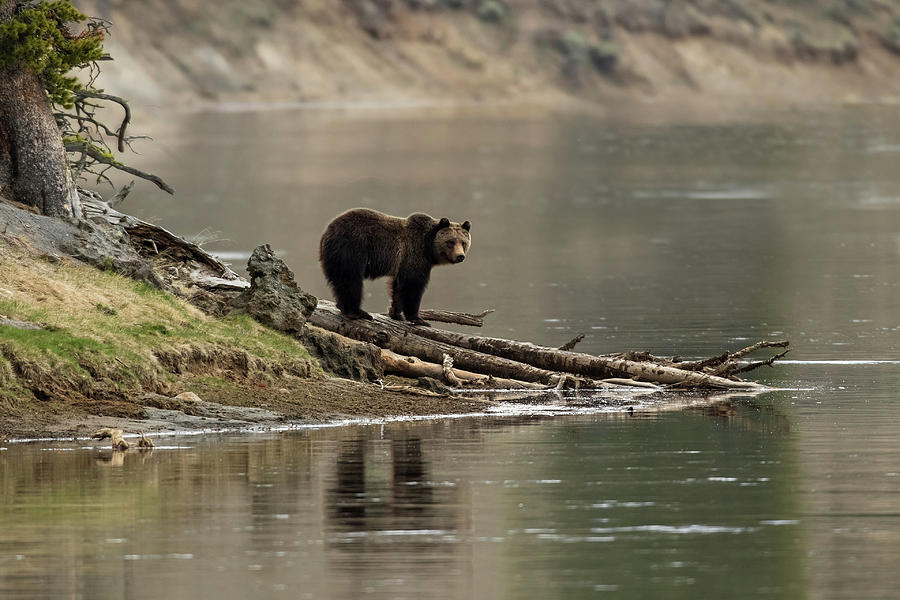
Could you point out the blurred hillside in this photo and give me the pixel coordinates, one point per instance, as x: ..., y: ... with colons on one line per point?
x: 178, y: 52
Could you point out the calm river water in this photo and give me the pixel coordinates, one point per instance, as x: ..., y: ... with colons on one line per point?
x: 668, y: 235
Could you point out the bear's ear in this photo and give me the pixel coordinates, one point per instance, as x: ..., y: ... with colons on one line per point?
x: 445, y: 222
x: 466, y: 225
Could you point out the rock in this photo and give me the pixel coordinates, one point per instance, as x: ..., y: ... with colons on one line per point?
x: 343, y: 356
x: 118, y: 442
x: 188, y: 397
x: 274, y: 298
x: 104, y: 246
x: 433, y: 385
x: 20, y: 324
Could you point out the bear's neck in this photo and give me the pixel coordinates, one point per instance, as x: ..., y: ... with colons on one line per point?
x: 429, y: 246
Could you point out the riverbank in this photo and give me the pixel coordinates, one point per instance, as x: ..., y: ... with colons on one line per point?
x: 83, y: 348
x: 404, y: 52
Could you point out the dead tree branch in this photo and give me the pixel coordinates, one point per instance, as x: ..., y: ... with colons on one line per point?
x: 457, y: 318
x: 572, y: 343
x: 120, y: 135
x: 91, y: 151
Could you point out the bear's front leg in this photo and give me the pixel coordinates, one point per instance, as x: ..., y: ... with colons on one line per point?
x: 411, y: 288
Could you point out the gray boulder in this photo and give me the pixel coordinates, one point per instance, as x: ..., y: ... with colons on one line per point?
x: 274, y: 298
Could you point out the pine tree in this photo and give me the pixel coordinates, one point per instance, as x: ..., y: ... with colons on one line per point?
x: 46, y: 112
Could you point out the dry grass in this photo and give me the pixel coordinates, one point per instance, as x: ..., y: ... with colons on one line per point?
x: 106, y: 335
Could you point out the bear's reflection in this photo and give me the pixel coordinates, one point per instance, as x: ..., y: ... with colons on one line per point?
x: 379, y: 500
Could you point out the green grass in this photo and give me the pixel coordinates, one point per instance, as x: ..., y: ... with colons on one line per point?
x: 106, y: 327
x: 52, y: 341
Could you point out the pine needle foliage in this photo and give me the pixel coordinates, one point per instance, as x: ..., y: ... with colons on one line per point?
x: 39, y: 36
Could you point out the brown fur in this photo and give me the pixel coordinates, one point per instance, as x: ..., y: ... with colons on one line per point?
x: 366, y: 244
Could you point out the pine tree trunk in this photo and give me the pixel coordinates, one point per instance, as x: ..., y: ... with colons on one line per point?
x: 33, y: 166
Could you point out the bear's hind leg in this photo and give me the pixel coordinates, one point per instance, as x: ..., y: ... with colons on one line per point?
x: 348, y: 289
x: 350, y: 301
x: 395, y: 310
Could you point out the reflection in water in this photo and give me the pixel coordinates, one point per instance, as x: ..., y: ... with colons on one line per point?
x: 412, y: 494
x: 348, y: 498
x: 698, y: 503
x: 384, y: 523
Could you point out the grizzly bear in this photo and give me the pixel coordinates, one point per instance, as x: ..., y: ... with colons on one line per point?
x: 366, y: 244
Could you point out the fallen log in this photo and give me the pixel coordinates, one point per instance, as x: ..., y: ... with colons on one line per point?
x: 585, y: 365
x: 727, y: 361
x: 412, y: 367
x: 186, y: 259
x: 402, y: 338
x: 511, y: 359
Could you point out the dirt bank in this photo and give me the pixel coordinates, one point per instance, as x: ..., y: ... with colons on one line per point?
x: 448, y: 51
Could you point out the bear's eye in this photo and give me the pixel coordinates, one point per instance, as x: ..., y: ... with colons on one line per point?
x: 450, y: 243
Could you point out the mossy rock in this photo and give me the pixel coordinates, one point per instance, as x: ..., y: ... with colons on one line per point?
x: 604, y: 56
x: 891, y: 37
x: 493, y: 12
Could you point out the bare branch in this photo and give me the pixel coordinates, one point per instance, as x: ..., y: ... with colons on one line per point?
x: 121, y: 194
x: 572, y: 343
x: 753, y: 348
x: 95, y: 153
x: 755, y: 365
x: 82, y: 94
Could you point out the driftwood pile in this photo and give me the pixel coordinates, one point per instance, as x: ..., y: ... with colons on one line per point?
x: 470, y: 361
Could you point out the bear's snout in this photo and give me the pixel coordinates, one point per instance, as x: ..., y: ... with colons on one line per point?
x: 460, y: 258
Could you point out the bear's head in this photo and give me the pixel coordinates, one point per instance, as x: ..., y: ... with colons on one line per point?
x: 451, y: 242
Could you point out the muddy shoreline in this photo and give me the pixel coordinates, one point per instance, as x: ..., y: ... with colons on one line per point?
x: 297, y: 404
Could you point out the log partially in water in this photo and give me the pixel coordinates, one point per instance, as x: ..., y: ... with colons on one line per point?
x: 412, y: 367
x: 585, y: 365
x: 530, y: 363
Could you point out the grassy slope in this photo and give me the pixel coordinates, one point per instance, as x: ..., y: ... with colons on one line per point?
x: 108, y: 337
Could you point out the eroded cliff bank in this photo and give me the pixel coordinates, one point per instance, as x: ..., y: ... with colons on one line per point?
x: 445, y: 51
